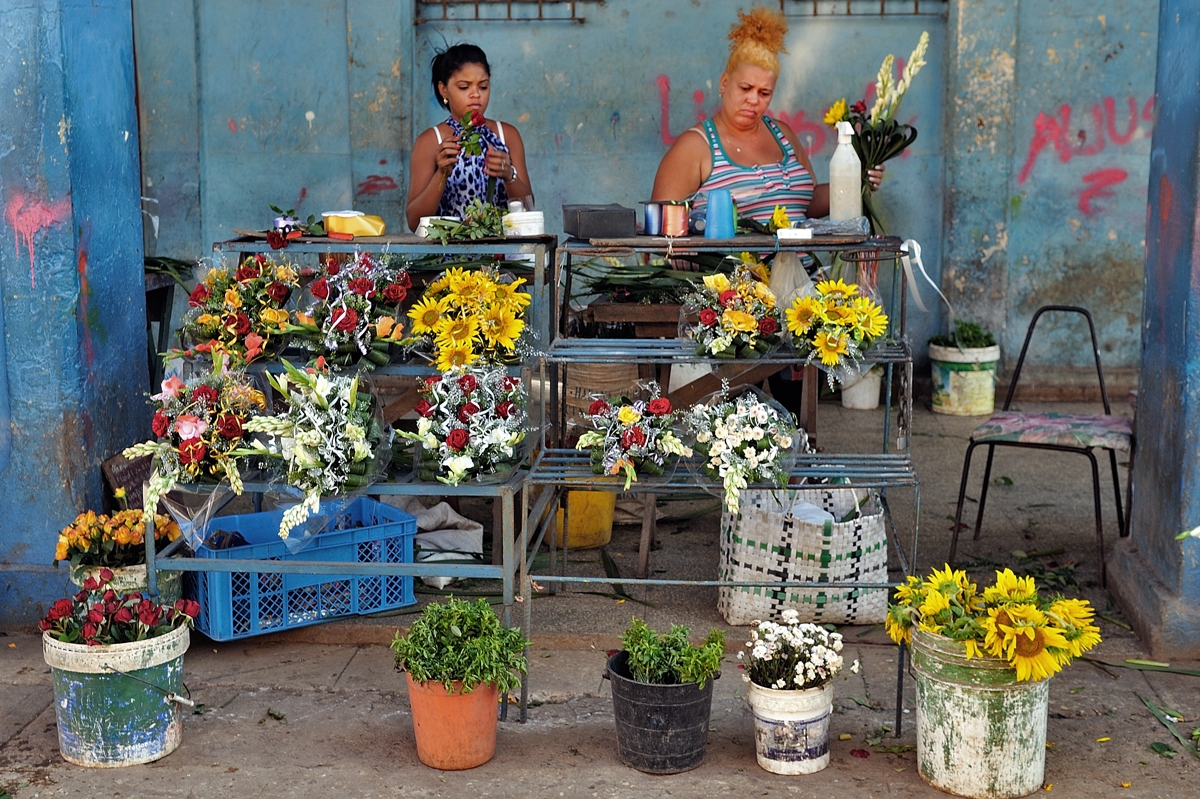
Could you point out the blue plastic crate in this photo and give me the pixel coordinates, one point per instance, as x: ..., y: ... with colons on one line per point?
x: 241, y: 604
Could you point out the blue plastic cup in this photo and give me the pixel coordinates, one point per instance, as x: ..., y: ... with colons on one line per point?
x: 718, y: 220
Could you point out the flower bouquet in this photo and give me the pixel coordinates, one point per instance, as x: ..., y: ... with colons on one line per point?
x: 240, y: 314
x: 199, y: 425
x: 835, y: 325
x: 732, y: 316
x: 792, y: 656
x: 112, y: 541
x: 632, y: 436
x: 99, y: 616
x: 355, y: 314
x: 327, y: 440
x: 1008, y: 620
x: 467, y: 317
x: 472, y: 425
x: 742, y: 441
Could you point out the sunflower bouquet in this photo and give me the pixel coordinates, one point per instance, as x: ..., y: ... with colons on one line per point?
x: 632, y: 436
x: 732, y: 316
x: 1008, y: 620
x: 240, y: 314
x: 835, y: 325
x: 469, y: 316
x: 472, y: 424
x: 198, y: 426
x: 94, y: 539
x: 355, y: 314
x: 326, y: 441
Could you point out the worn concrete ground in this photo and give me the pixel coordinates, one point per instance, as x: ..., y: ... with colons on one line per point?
x: 320, y: 712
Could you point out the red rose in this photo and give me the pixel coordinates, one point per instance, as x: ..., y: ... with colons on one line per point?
x: 239, y: 323
x: 90, y: 584
x: 362, y: 285
x: 394, y: 293
x: 246, y: 272
x: 598, y: 407
x: 160, y: 424
x: 320, y: 289
x: 276, y: 239
x: 198, y: 295
x: 89, y: 631
x: 633, y: 437
x: 229, y: 425
x: 123, y: 616
x: 659, y: 407
x: 467, y: 383
x: 505, y: 409
x: 404, y: 281
x: 60, y: 610
x: 44, y: 624
x: 192, y: 451
x: 206, y: 393
x: 188, y: 607
x: 106, y: 576
x: 433, y: 380
x: 511, y: 383
x: 727, y: 297
x: 708, y: 317
x: 477, y: 120
x: 424, y: 408
x: 345, y: 319
x: 859, y: 108
x: 457, y: 439
x: 332, y: 268
x: 96, y: 614
x: 278, y: 292
x: 767, y: 325
x: 148, y: 613
x: 467, y: 411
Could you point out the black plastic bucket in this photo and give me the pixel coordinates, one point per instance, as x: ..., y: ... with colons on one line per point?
x: 661, y: 729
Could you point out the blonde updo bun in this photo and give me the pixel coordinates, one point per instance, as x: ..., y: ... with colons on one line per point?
x: 757, y: 39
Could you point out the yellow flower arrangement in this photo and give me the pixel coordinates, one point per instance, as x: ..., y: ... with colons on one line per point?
x: 1008, y: 620
x: 837, y: 112
x: 469, y: 316
x: 835, y: 325
x: 735, y: 314
x: 94, y: 539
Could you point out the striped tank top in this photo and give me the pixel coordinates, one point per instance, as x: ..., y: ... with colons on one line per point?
x: 758, y: 189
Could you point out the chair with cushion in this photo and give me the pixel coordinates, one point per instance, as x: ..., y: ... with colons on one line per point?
x: 1062, y: 432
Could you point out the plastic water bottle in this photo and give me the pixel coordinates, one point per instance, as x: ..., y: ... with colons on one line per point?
x: 845, y: 177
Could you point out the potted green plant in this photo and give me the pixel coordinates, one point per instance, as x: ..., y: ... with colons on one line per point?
x: 662, y: 697
x: 963, y: 364
x: 457, y: 658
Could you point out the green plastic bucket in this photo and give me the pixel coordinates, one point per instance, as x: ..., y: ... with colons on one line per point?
x: 964, y: 381
x: 980, y: 733
x: 106, y: 719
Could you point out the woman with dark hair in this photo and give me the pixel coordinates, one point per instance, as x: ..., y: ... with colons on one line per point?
x: 443, y: 179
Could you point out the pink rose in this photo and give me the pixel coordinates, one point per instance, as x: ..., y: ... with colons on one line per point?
x: 170, y: 389
x: 188, y: 425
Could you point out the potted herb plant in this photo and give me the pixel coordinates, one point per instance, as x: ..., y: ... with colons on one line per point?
x: 963, y: 364
x: 116, y: 663
x: 457, y: 658
x: 94, y: 542
x: 790, y: 668
x: 662, y: 697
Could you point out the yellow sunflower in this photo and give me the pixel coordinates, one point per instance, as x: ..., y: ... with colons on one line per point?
x: 1010, y: 588
x: 426, y: 314
x: 830, y: 347
x: 454, y: 357
x: 501, y: 327
x: 949, y: 581
x: 934, y: 603
x: 1030, y: 643
x: 872, y: 321
x: 837, y: 288
x: 779, y: 218
x: 836, y: 113
x: 507, y: 295
x: 898, y: 624
x: 452, y: 332
x: 911, y: 592
x: 1074, y: 616
x: 738, y: 320
x: 841, y: 315
x: 802, y: 313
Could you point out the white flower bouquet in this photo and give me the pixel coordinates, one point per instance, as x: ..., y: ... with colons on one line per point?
x: 472, y: 425
x: 742, y: 441
x: 632, y: 436
x: 791, y: 656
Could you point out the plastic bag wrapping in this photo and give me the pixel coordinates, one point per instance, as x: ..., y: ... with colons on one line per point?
x: 443, y: 534
x: 194, y: 507
x: 789, y: 279
x: 858, y: 225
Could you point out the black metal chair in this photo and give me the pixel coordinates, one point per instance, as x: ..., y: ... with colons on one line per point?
x: 1062, y: 432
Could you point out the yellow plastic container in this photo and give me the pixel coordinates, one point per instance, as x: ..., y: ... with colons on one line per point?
x: 591, y: 518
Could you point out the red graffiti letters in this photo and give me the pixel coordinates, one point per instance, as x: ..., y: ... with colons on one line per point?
x: 1097, y: 185
x: 374, y: 184
x: 28, y: 216
x: 664, y: 96
x: 1056, y: 130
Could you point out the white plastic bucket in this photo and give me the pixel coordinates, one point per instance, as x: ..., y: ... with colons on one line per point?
x: 524, y: 223
x: 791, y: 728
x: 964, y: 381
x: 863, y: 394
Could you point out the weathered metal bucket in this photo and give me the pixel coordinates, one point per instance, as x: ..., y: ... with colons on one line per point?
x: 980, y: 733
x: 109, y: 711
x: 130, y: 579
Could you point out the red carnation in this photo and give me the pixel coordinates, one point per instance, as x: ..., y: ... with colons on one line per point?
x: 467, y: 383
x: 708, y: 317
x: 467, y: 411
x: 192, y: 451
x: 767, y: 325
x: 505, y: 409
x: 229, y: 425
x: 457, y: 439
x: 247, y: 272
x: 199, y: 295
x: 598, y: 407
x: 332, y: 268
x: 278, y: 292
x: 633, y: 437
x: 320, y: 289
x: 160, y: 424
x: 404, y: 281
x: 345, y: 319
x: 477, y: 120
x: 276, y: 239
x: 728, y: 297
x: 659, y: 407
x: 362, y: 285
x: 510, y: 383
x: 424, y: 408
x: 394, y: 293
x: 206, y: 393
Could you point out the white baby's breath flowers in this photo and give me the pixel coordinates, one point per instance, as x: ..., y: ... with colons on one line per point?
x: 792, y: 655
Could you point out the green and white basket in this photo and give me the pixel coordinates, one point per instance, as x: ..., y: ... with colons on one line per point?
x: 764, y: 542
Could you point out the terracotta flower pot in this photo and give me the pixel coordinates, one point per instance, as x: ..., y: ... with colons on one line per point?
x: 454, y: 730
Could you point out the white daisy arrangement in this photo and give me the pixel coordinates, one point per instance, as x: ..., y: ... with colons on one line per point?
x: 791, y: 656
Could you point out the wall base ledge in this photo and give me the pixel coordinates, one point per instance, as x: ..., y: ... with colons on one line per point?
x: 1165, y: 622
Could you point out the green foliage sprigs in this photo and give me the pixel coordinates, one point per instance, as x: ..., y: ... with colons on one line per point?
x: 177, y: 270
x: 481, y: 220
x: 312, y: 226
x: 968, y: 335
x: 670, y: 659
x: 460, y: 641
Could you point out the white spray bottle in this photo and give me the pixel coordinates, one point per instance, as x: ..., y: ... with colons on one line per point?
x: 845, y: 177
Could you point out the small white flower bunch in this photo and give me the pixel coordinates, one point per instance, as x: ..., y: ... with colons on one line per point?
x: 792, y: 655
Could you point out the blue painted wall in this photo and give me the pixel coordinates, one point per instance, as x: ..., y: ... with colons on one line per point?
x: 71, y: 277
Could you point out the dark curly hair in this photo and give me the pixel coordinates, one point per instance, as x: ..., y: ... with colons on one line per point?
x: 446, y: 62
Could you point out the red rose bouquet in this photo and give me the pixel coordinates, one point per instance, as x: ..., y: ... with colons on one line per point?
x: 632, y: 436
x: 198, y: 426
x: 99, y: 616
x: 240, y: 313
x: 472, y: 425
x: 732, y: 316
x: 355, y: 314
